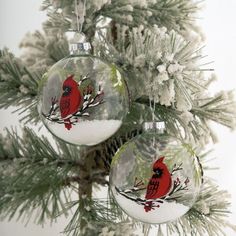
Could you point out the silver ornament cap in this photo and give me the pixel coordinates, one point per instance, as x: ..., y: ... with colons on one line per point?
x: 78, y: 43
x: 156, y: 126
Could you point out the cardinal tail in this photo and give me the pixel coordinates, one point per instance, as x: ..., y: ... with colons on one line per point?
x: 67, y: 124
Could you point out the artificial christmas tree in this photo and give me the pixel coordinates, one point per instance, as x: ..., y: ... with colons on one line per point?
x: 155, y: 44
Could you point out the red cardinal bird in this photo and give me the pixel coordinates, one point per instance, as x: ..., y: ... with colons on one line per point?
x: 160, y: 183
x: 70, y: 101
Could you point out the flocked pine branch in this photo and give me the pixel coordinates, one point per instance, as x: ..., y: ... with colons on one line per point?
x: 42, y: 50
x: 18, y: 85
x: 173, y: 14
x: 43, y: 176
x: 19, y: 78
x: 172, y: 72
x: 169, y: 63
x: 102, y: 217
x: 169, y: 67
x: 34, y: 176
x: 189, y: 111
x: 207, y: 216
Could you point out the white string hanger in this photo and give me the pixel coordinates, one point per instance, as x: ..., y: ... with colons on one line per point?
x: 80, y: 12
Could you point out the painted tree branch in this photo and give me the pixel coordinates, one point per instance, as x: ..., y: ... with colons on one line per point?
x: 88, y: 102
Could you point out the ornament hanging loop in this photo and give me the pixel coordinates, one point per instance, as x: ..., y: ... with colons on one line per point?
x: 78, y: 43
x: 157, y: 127
x: 80, y: 12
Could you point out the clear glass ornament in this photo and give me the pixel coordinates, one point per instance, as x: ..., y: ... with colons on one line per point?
x: 82, y: 100
x: 155, y: 178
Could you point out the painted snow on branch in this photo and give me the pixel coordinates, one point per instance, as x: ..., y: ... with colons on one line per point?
x: 169, y: 211
x: 87, y: 132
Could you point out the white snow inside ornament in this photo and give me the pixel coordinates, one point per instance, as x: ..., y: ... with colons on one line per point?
x: 82, y: 100
x: 155, y: 178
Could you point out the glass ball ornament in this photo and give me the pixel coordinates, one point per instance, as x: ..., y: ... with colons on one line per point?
x: 82, y: 99
x: 155, y: 178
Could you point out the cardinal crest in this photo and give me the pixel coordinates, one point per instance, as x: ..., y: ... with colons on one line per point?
x: 162, y: 186
x: 75, y: 101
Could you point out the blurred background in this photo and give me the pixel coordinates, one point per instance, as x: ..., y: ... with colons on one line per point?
x: 217, y: 20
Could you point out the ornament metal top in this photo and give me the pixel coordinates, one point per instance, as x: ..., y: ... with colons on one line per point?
x: 82, y: 99
x: 78, y: 43
x: 157, y: 127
